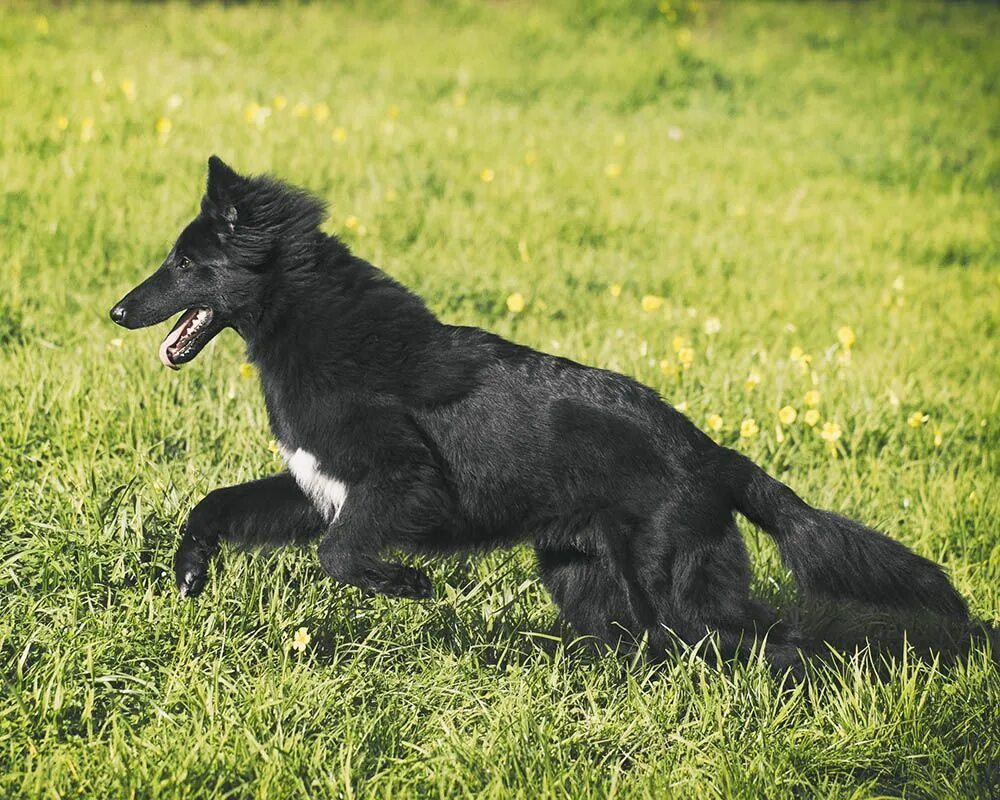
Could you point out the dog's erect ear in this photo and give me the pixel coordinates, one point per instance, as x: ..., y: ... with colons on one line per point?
x: 223, y: 181
x: 223, y: 188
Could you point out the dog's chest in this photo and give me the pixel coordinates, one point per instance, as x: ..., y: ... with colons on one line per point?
x: 327, y: 493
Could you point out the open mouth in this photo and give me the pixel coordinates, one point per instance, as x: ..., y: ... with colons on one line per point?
x: 191, y: 333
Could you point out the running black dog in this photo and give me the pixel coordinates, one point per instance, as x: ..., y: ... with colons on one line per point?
x: 403, y: 433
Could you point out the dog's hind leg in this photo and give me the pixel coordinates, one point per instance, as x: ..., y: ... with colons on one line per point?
x: 587, y: 567
x: 271, y: 511
x: 709, y: 598
x: 589, y: 597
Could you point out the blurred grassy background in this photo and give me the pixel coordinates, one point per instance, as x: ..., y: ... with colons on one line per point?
x: 738, y: 204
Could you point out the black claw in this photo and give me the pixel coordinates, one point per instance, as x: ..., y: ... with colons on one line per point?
x: 190, y: 570
x: 191, y: 583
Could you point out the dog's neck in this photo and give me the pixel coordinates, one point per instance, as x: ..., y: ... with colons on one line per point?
x: 337, y: 321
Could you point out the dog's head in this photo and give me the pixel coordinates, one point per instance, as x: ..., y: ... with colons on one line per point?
x: 218, y: 270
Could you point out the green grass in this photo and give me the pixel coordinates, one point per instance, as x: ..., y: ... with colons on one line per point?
x: 785, y: 168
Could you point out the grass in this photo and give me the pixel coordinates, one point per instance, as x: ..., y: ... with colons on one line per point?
x: 786, y: 169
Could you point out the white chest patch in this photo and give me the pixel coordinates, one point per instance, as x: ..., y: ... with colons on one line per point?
x: 327, y: 494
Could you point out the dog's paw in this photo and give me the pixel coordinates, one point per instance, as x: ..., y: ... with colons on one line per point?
x: 409, y: 583
x: 190, y: 571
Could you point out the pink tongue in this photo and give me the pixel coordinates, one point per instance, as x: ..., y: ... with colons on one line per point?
x: 173, y: 336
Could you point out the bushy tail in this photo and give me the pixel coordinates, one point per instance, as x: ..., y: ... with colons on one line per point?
x: 834, y: 556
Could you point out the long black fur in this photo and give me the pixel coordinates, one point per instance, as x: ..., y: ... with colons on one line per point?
x: 451, y: 439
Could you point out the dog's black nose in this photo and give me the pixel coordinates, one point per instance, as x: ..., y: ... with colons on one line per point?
x: 118, y: 314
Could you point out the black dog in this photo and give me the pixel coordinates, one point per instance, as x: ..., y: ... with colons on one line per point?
x: 401, y: 432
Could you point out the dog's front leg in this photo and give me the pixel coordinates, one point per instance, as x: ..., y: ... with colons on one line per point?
x: 375, y: 519
x: 368, y: 572
x: 272, y: 511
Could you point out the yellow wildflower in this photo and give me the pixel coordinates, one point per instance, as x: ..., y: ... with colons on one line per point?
x: 41, y: 25
x: 530, y: 158
x: 459, y: 99
x: 87, y: 129
x: 321, y: 111
x: 259, y: 114
x: 279, y: 102
x: 301, y: 639
x: 300, y: 110
x: 812, y: 398
x: 714, y: 422
x: 391, y: 195
x: 163, y: 126
x: 515, y: 303
x: 273, y: 446
x: 246, y: 370
x: 615, y: 289
x: 250, y: 112
x: 847, y: 337
x: 682, y: 406
x: 811, y: 417
x: 613, y: 170
x: 339, y: 135
x: 787, y: 415
x: 351, y: 222
x: 917, y: 418
x: 753, y: 379
x: 800, y: 357
x: 748, y: 428
x: 487, y: 175
x: 62, y: 123
x: 938, y: 437
x: 128, y: 89
x: 686, y: 356
x: 712, y: 326
x: 678, y: 343
x: 831, y: 431
x: 684, y: 37
x: 392, y: 112
x: 651, y: 302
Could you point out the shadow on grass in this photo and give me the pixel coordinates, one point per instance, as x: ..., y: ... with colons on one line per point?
x: 832, y: 637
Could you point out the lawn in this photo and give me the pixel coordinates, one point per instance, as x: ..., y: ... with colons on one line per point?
x: 747, y: 206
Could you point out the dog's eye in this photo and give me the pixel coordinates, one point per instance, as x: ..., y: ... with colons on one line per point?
x: 183, y: 262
